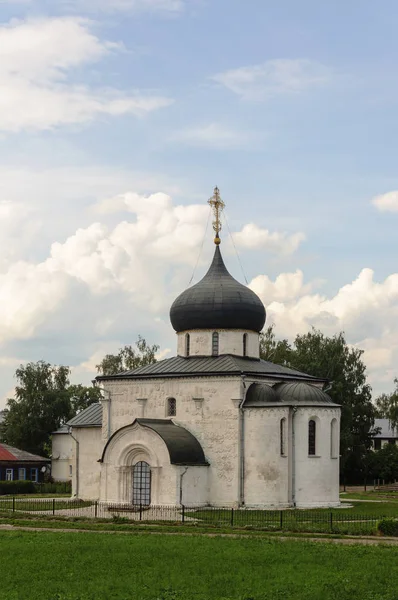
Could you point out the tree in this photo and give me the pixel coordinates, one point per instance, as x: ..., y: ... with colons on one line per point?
x: 384, y: 463
x: 273, y: 350
x: 40, y: 405
x: 331, y: 358
x: 44, y: 400
x: 387, y: 406
x: 128, y: 358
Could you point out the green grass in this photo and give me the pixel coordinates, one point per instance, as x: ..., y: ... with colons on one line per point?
x: 70, y: 566
x: 26, y: 504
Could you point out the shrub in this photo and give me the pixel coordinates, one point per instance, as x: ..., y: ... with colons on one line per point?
x: 389, y: 527
x: 17, y: 487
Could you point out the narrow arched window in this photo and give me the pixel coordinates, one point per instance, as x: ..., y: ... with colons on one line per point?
x: 214, y: 343
x: 333, y: 439
x: 187, y: 344
x: 311, y: 438
x: 282, y: 439
x: 245, y: 344
x: 171, y: 407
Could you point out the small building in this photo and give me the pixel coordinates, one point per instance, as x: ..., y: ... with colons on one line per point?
x: 386, y: 435
x: 17, y: 464
x: 62, y: 454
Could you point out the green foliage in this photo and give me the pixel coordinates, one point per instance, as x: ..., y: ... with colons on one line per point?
x: 333, y: 359
x: 387, y: 406
x: 17, y: 487
x: 44, y: 399
x: 389, y: 527
x: 383, y: 464
x: 128, y: 358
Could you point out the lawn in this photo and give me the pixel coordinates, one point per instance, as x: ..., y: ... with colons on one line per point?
x: 39, y: 504
x: 71, y: 566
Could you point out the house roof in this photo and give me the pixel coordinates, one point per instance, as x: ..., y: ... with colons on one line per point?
x: 198, y: 366
x: 89, y: 417
x: 183, y: 447
x: 386, y: 431
x: 11, y: 454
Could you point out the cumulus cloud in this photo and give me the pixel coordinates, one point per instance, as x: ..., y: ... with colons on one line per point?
x: 386, y: 202
x: 274, y: 77
x: 37, y: 91
x: 253, y: 237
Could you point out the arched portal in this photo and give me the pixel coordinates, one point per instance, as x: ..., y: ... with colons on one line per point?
x: 142, y: 483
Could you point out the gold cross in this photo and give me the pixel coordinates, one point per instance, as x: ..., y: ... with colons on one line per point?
x: 217, y: 205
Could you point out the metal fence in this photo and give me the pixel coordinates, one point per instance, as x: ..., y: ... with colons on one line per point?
x: 322, y: 520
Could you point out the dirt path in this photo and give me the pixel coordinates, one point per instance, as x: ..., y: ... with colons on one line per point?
x: 365, y: 541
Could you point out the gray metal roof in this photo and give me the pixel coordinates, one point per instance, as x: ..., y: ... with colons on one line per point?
x: 227, y: 364
x: 19, y: 456
x: 89, y: 417
x: 183, y: 447
x: 386, y: 431
x: 286, y: 394
x: 63, y: 429
x: 218, y: 301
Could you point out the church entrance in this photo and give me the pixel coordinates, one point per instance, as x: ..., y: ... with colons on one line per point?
x: 142, y: 483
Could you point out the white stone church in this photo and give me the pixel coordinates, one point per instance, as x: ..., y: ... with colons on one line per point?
x: 214, y: 425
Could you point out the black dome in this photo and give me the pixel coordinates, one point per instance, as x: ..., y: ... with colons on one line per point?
x: 218, y: 301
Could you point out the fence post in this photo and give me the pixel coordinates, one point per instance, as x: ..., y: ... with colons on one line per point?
x: 281, y: 519
x: 331, y: 521
x: 183, y: 513
x: 140, y: 511
x: 13, y: 504
x: 232, y: 517
x: 96, y: 509
x: 53, y: 506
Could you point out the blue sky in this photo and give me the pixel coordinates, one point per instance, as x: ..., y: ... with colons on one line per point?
x: 117, y: 118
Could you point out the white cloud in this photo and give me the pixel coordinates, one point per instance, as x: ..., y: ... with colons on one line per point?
x: 254, y: 237
x: 37, y: 59
x: 274, y: 77
x: 168, y: 6
x: 386, y: 202
x: 213, y: 135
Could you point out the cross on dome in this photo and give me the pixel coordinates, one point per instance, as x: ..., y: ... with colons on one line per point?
x: 217, y: 206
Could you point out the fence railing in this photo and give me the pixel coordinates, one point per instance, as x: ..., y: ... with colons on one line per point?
x: 322, y: 520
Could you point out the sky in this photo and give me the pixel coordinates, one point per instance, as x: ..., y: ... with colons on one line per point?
x: 117, y: 119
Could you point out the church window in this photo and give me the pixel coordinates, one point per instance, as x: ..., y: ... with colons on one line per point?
x: 333, y: 439
x: 142, y: 484
x: 311, y: 438
x: 282, y: 434
x: 171, y: 407
x: 214, y: 345
x: 187, y: 344
x: 245, y: 344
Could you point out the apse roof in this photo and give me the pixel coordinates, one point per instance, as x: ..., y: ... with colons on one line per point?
x: 227, y: 364
x: 218, y: 301
x: 183, y: 447
x: 286, y: 394
x: 89, y: 417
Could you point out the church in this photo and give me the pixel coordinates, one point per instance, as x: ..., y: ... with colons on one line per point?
x: 215, y: 425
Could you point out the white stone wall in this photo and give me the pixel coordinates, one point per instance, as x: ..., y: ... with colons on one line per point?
x: 89, y: 450
x: 230, y: 342
x: 266, y: 471
x: 207, y: 407
x: 316, y: 477
x: 194, y: 484
x: 61, y: 456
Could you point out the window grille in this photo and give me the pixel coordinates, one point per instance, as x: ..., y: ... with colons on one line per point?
x: 171, y: 407
x: 311, y: 438
x: 187, y: 344
x: 214, y: 345
x: 283, y: 437
x: 142, y: 484
x: 245, y: 344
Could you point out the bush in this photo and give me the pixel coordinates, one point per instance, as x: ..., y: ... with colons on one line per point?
x: 389, y: 527
x: 55, y: 487
x: 17, y: 487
